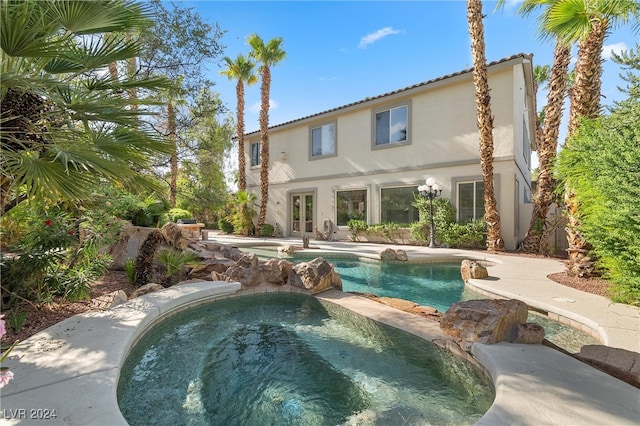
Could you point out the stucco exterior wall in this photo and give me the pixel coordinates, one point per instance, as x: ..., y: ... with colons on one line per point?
x: 443, y: 144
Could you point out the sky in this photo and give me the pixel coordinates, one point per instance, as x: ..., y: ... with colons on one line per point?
x: 339, y: 52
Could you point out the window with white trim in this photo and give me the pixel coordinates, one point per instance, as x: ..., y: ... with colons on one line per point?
x: 255, y: 154
x: 323, y: 140
x: 470, y: 200
x: 391, y: 126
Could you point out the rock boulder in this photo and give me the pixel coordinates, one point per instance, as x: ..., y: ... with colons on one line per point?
x: 316, y: 276
x: 484, y: 321
x: 472, y: 269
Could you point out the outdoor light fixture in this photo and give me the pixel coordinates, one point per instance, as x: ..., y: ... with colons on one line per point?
x: 431, y: 190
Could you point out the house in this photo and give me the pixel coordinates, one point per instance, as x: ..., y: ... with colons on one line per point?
x: 366, y: 159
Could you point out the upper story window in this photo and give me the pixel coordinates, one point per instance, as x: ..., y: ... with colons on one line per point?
x: 323, y: 140
x: 391, y: 126
x: 255, y: 154
x: 470, y: 200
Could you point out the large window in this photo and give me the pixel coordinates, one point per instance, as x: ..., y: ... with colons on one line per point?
x: 396, y: 205
x: 391, y: 126
x: 470, y: 200
x: 255, y: 154
x: 351, y: 205
x: 323, y: 140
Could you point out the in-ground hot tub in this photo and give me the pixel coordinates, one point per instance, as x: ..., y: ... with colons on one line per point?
x: 286, y: 358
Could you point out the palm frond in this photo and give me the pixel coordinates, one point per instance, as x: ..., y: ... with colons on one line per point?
x: 94, y: 17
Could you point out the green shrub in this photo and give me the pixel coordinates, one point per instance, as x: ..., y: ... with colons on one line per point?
x: 601, y: 165
x: 356, y: 226
x: 53, y: 260
x: 174, y: 214
x: 464, y: 235
x: 390, y: 230
x: 267, y: 230
x: 174, y: 262
x: 225, y: 226
x: 130, y: 270
x: 17, y: 319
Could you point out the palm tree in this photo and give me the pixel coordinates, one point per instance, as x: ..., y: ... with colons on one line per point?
x: 241, y: 70
x: 586, y: 22
x: 547, y: 141
x: 267, y: 55
x: 63, y: 125
x: 548, y: 132
x: 485, y: 123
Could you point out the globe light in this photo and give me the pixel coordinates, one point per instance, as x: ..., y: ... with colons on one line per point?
x: 430, y: 191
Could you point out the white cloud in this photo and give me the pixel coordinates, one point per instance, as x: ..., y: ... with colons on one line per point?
x: 615, y: 48
x: 255, y: 107
x: 375, y: 36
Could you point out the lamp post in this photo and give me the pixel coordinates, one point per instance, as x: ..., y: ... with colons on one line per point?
x: 431, y: 190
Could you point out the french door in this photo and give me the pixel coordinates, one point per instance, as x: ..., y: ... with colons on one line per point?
x: 302, y: 221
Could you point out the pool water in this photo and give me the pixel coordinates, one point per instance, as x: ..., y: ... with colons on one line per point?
x: 433, y: 284
x: 430, y: 284
x: 290, y: 359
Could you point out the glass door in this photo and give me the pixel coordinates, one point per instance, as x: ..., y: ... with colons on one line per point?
x: 302, y: 221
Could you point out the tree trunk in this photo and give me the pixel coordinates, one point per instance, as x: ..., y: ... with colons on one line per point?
x: 242, y: 177
x: 143, y: 269
x: 585, y: 103
x: 485, y: 123
x: 173, y: 185
x: 547, y: 146
x: 264, y: 157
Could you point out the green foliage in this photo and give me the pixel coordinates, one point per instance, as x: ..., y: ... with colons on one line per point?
x: 17, y: 319
x: 390, y: 230
x: 139, y: 211
x: 203, y: 176
x: 65, y: 125
x: 176, y: 213
x: 356, y: 226
x: 241, y: 213
x: 130, y: 270
x: 471, y: 234
x: 225, y: 225
x: 601, y: 165
x: 448, y: 231
x: 174, y: 262
x: 52, y: 260
x: 267, y: 230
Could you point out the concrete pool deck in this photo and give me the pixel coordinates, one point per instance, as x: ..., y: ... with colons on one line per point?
x: 74, y: 366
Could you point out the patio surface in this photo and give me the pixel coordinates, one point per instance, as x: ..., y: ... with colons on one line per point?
x: 74, y: 366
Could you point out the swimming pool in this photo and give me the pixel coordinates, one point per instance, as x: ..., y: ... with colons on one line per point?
x: 438, y: 285
x: 279, y: 359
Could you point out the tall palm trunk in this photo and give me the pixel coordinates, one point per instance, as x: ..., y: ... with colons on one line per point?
x: 485, y: 123
x: 264, y: 134
x: 242, y: 177
x: 547, y: 146
x: 585, y: 102
x: 173, y: 185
